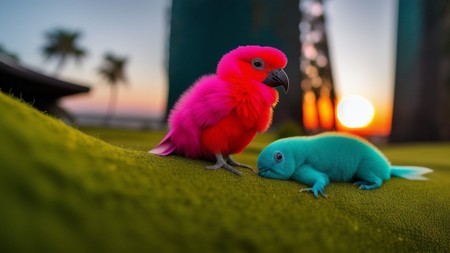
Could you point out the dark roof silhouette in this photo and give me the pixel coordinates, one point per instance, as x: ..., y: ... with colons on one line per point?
x: 30, y: 85
x: 39, y: 90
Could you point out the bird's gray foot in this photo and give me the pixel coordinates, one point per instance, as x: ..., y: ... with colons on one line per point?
x: 234, y: 163
x: 220, y: 163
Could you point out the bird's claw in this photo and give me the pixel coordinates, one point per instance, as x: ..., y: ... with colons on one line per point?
x: 234, y: 163
x: 315, y: 191
x: 222, y: 164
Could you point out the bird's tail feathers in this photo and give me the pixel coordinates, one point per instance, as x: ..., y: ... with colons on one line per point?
x: 166, y: 147
x: 410, y: 172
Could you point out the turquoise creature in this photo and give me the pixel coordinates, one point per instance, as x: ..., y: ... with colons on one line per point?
x: 335, y: 157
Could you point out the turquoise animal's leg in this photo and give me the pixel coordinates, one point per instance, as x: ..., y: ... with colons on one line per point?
x: 366, y: 185
x: 359, y: 183
x: 234, y: 163
x: 371, y: 173
x: 315, y: 190
x: 220, y: 163
x: 310, y: 176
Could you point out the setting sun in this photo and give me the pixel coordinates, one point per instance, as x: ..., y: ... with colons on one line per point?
x: 355, y: 111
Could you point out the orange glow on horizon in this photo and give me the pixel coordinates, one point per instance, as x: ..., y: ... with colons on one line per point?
x: 380, y: 124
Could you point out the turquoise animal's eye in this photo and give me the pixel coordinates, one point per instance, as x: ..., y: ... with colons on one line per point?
x: 278, y: 156
x: 258, y: 63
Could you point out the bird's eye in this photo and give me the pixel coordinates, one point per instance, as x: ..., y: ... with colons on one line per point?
x: 257, y: 63
x: 278, y: 156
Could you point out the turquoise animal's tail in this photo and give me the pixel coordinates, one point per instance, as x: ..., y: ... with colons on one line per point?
x: 410, y: 172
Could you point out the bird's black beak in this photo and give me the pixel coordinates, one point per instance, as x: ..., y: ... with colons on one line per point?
x: 277, y: 78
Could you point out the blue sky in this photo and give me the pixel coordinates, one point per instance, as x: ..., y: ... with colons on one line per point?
x: 361, y: 35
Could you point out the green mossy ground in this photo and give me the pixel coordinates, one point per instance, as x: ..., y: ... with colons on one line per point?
x: 62, y: 190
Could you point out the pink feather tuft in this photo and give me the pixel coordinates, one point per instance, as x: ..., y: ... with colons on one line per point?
x: 166, y: 147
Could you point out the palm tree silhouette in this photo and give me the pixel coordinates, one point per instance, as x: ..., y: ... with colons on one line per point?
x: 113, y: 70
x: 63, y: 44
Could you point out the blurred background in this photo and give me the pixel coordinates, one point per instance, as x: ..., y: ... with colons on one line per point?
x: 378, y: 68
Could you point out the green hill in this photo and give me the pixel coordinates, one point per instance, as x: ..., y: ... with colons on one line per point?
x: 62, y: 190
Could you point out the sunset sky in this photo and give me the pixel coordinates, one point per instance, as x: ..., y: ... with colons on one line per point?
x: 361, y: 35
x: 136, y: 29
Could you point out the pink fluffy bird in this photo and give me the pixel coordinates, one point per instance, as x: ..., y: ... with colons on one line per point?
x: 221, y: 113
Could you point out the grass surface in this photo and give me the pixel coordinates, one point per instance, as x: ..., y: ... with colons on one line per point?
x: 62, y: 190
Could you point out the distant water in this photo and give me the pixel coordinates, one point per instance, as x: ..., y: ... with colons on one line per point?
x: 126, y: 122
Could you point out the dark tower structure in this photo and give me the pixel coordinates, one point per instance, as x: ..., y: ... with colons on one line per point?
x: 201, y: 31
x: 422, y: 81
